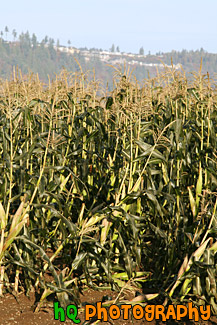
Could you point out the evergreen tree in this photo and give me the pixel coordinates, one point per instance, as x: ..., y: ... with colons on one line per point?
x: 14, y: 33
x: 6, y: 31
x: 46, y: 39
x: 141, y: 51
x: 51, y: 42
x: 34, y: 41
x: 112, y: 48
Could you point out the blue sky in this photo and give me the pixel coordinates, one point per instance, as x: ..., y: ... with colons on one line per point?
x: 157, y: 25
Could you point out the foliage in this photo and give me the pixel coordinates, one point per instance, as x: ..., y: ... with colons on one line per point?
x: 116, y: 191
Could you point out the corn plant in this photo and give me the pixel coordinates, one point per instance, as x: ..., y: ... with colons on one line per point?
x: 110, y: 190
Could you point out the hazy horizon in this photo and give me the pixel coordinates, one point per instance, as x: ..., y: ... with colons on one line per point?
x: 130, y: 24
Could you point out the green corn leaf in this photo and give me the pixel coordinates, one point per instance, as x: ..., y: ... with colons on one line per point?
x: 3, y: 219
x: 192, y: 202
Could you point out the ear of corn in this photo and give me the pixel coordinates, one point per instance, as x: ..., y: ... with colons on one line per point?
x: 199, y: 187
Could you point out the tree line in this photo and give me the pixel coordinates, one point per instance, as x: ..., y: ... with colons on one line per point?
x: 28, y: 54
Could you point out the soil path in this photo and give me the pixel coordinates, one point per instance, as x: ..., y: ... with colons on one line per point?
x: 19, y: 310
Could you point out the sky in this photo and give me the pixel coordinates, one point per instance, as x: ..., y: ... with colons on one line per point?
x: 155, y: 25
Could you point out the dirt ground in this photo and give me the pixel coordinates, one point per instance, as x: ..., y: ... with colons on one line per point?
x: 19, y: 310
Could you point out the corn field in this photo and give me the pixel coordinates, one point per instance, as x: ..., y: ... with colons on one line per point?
x: 109, y: 190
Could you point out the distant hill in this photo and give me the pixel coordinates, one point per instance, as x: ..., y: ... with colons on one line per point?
x: 46, y: 58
